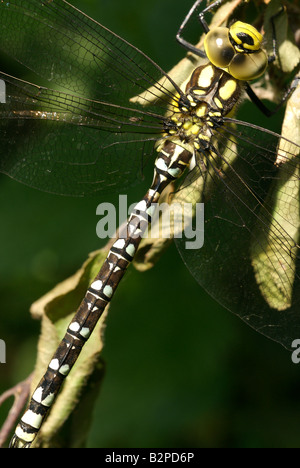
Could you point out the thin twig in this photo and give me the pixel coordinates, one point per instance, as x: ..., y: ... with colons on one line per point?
x: 20, y: 392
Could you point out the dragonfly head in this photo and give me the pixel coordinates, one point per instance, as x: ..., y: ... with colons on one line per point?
x: 237, y: 50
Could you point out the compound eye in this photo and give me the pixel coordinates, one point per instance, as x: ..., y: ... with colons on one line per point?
x: 247, y: 67
x: 218, y: 47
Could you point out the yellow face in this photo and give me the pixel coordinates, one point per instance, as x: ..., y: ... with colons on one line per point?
x: 245, y: 36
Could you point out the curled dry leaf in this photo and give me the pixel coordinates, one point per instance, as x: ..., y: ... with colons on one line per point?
x: 68, y: 423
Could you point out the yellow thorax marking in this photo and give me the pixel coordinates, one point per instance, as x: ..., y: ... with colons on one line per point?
x: 227, y: 90
x: 206, y: 76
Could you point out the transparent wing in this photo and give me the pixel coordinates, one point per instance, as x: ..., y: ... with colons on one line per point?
x: 67, y: 48
x: 86, y: 135
x: 250, y: 183
x: 65, y: 144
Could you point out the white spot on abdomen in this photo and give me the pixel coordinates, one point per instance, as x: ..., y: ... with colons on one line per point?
x: 97, y: 285
x: 74, y: 326
x: 33, y: 419
x: 54, y: 364
x: 108, y: 291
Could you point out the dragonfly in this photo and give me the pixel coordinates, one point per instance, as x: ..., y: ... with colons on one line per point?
x: 110, y: 107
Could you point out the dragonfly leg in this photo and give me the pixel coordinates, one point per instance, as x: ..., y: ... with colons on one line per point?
x: 190, y: 47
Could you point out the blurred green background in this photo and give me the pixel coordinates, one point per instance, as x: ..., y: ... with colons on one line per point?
x: 180, y: 370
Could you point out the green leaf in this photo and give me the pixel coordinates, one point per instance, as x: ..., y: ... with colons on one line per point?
x: 288, y: 51
x: 274, y: 260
